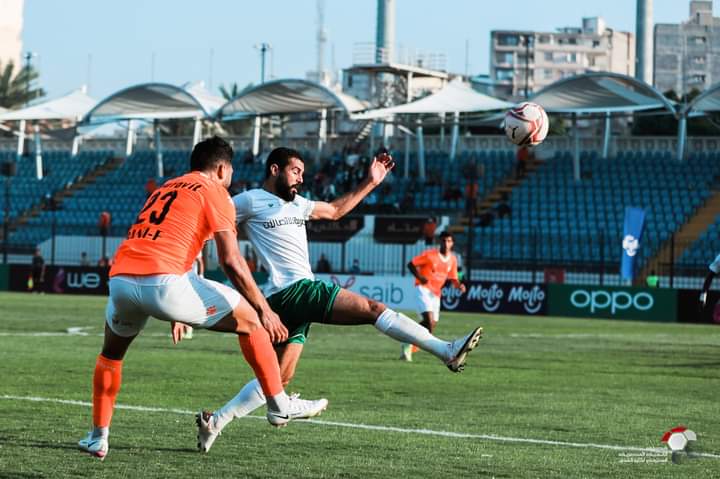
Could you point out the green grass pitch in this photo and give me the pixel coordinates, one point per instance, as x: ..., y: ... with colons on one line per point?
x: 579, y: 390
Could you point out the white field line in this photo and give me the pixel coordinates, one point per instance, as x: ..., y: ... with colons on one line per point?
x: 78, y: 331
x: 369, y: 427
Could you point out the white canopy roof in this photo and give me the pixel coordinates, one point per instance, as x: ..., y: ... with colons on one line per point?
x: 288, y: 96
x: 456, y: 96
x: 156, y: 101
x: 599, y: 92
x: 72, y: 106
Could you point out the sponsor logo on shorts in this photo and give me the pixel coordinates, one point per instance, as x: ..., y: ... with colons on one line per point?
x: 211, y: 310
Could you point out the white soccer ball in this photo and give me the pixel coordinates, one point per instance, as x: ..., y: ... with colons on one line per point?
x: 526, y: 124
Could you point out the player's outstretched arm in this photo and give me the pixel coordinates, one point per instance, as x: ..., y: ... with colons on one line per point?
x: 237, y: 271
x: 336, y: 209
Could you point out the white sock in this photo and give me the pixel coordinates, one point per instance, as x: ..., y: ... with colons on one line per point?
x: 246, y: 401
x: 400, y: 327
x: 100, y: 432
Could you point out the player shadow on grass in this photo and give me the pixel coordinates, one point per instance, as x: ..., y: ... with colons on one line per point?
x: 21, y: 475
x: 4, y: 441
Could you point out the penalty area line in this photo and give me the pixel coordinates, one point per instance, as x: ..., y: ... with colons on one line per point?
x: 370, y: 427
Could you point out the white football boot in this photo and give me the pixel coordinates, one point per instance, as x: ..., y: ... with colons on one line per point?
x: 297, y: 409
x: 206, y: 430
x: 460, y: 348
x: 406, y: 352
x: 96, y: 446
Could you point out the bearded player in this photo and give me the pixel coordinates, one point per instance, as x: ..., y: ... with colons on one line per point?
x: 432, y: 268
x: 274, y: 218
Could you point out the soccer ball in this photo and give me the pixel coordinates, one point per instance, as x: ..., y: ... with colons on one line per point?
x: 526, y: 124
x: 677, y: 438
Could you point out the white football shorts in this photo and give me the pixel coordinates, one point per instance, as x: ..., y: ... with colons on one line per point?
x: 187, y: 298
x: 427, y: 302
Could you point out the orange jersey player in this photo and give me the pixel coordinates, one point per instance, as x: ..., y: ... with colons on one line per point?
x: 152, y: 276
x: 432, y: 268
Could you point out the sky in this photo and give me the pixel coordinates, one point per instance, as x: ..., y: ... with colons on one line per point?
x: 112, y: 44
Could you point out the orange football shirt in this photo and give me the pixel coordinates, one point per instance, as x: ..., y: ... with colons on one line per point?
x: 431, y: 265
x: 172, y: 227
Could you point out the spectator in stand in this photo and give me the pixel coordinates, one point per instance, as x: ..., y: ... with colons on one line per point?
x: 150, y: 186
x: 104, y: 223
x: 523, y: 156
x: 471, y: 193
x: 84, y: 261
x: 104, y: 262
x: 428, y: 230
x: 37, y: 278
x: 355, y: 268
x: 323, y: 265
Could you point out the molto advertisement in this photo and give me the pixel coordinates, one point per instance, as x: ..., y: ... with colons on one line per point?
x: 647, y: 304
x: 499, y: 298
x: 63, y: 279
x: 397, y: 292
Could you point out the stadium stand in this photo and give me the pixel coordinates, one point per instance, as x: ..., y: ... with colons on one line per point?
x: 551, y: 217
x: 705, y: 249
x: 555, y: 219
x: 60, y: 170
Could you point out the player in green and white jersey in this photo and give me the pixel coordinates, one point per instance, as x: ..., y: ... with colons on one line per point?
x: 274, y: 218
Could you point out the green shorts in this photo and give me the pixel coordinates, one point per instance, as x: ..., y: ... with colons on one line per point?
x: 302, y: 303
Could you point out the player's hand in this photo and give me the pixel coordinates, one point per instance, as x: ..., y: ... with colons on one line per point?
x: 177, y: 330
x: 462, y: 288
x: 380, y: 167
x: 276, y: 329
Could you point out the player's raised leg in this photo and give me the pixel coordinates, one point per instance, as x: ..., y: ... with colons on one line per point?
x: 350, y: 308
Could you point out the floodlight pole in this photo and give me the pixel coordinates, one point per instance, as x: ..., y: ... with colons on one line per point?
x: 28, y: 64
x: 264, y: 48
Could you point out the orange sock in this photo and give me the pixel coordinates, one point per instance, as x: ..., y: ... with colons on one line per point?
x: 259, y: 353
x: 106, y: 384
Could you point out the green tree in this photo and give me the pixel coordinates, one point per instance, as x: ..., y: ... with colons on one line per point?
x: 16, y: 89
x: 235, y: 127
x: 233, y: 90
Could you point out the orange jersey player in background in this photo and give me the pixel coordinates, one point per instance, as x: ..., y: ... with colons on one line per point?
x: 152, y: 276
x: 432, y: 268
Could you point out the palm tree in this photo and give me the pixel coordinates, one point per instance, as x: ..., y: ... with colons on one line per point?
x: 16, y: 90
x: 233, y: 90
x: 238, y: 127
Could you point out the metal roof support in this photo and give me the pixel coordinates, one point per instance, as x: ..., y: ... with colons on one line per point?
x: 576, y: 154
x: 130, y: 138
x: 21, y: 138
x: 682, y: 136
x: 197, y: 131
x: 158, y: 149
x: 421, y: 150
x: 256, y: 137
x: 455, y: 135
x: 606, y: 137
x: 38, y: 152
